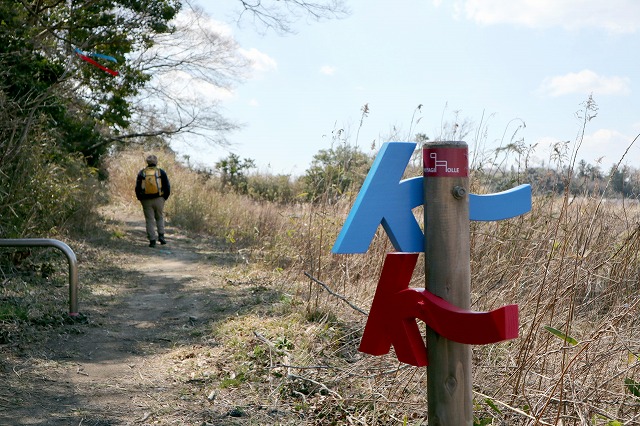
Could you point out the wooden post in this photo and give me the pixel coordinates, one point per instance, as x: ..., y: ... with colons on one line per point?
x: 448, y: 275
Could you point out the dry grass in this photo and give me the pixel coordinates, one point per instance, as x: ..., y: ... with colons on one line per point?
x: 570, y: 264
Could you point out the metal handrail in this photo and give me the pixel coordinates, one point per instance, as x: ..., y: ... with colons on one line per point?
x: 71, y: 257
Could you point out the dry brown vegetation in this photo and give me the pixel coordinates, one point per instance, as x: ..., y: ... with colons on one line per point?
x: 571, y: 264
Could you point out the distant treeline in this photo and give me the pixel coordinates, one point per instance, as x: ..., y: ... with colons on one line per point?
x: 584, y: 179
x: 339, y: 172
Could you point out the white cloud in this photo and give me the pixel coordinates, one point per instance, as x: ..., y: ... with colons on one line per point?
x: 196, y: 26
x: 254, y: 102
x: 327, y: 70
x: 187, y: 18
x: 617, y: 16
x: 604, y: 146
x: 182, y: 85
x: 584, y: 82
x: 260, y: 62
x: 610, y: 145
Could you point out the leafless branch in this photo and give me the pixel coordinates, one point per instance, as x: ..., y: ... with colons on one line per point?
x: 339, y: 296
x: 279, y: 15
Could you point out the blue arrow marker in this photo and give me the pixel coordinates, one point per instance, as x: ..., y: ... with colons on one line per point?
x: 385, y: 199
x: 107, y: 57
x: 96, y: 55
x: 502, y: 205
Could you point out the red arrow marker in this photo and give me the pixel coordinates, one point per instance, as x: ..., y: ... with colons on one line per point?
x: 395, y: 277
x: 94, y: 63
x: 396, y: 307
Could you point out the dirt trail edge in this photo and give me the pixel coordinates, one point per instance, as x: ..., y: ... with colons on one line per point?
x: 148, y: 310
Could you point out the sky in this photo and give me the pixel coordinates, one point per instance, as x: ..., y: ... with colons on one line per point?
x: 504, y: 66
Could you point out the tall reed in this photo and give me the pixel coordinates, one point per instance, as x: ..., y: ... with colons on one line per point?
x: 571, y: 264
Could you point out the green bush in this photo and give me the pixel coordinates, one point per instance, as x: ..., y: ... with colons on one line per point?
x: 278, y: 189
x: 41, y: 186
x: 334, y: 172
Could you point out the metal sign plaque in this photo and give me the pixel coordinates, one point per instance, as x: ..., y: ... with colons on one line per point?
x: 446, y: 162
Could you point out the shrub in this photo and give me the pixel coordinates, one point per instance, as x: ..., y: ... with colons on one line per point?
x: 41, y: 186
x: 335, y: 171
x: 279, y: 188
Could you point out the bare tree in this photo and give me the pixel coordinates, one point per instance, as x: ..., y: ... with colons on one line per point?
x: 172, y: 83
x: 279, y: 15
x: 196, y: 65
x: 192, y: 69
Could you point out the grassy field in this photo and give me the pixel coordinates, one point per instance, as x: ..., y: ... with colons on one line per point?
x: 571, y: 265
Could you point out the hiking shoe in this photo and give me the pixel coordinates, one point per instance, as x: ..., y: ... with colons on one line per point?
x: 162, y: 240
x: 152, y: 243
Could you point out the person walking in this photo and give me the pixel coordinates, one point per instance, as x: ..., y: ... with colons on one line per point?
x: 153, y: 189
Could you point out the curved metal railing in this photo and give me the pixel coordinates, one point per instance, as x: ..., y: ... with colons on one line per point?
x: 71, y: 257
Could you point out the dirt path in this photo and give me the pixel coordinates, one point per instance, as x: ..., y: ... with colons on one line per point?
x: 150, y: 313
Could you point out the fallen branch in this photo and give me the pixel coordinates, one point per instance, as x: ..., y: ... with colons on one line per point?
x: 339, y: 296
x: 307, y: 367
